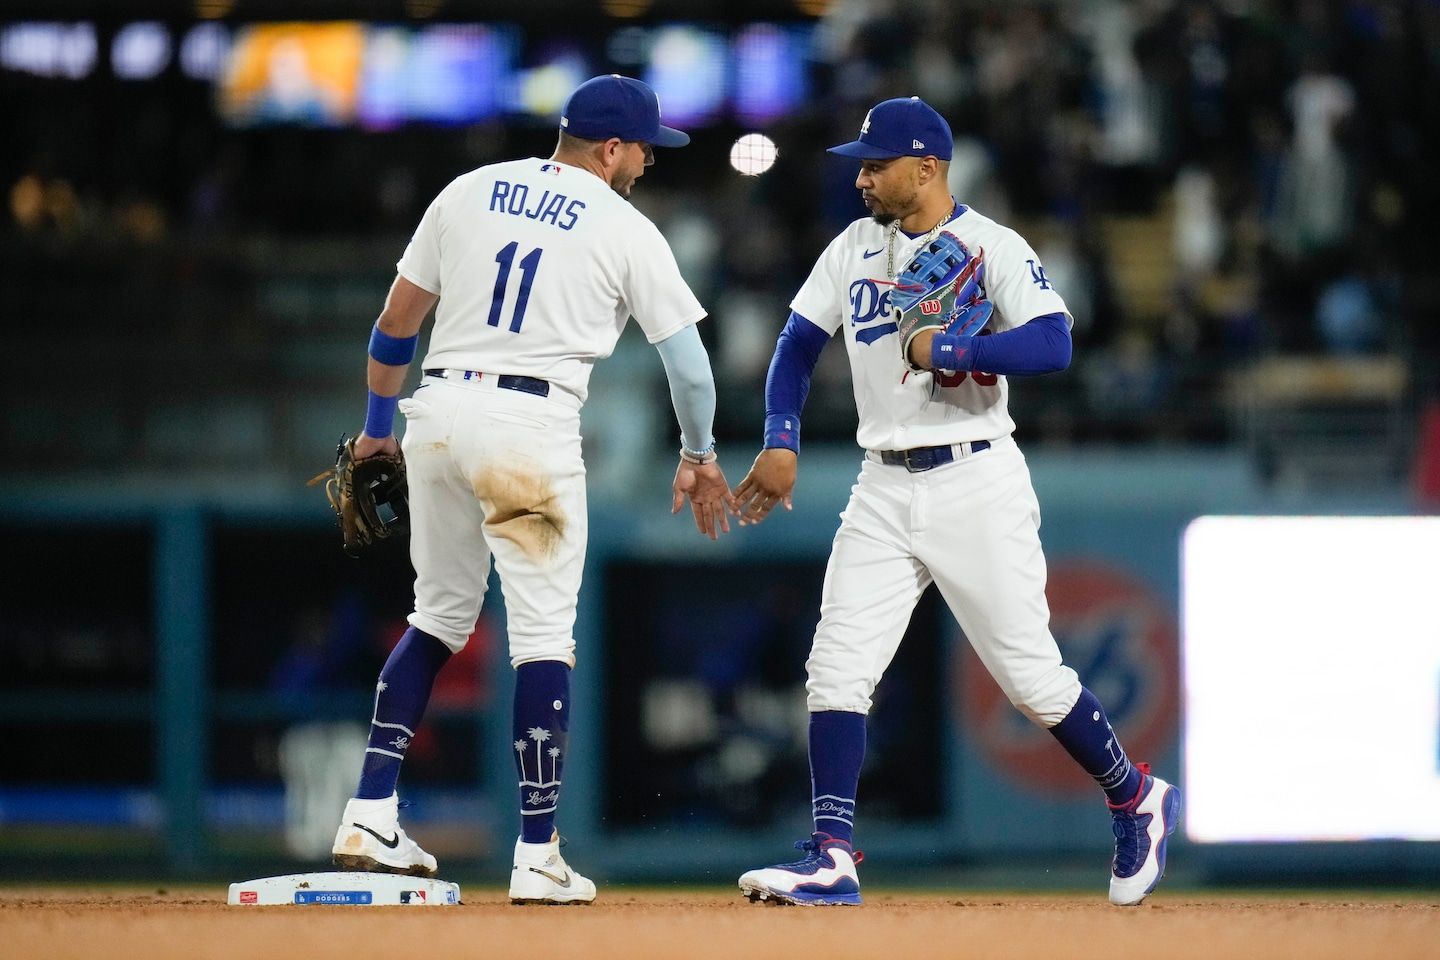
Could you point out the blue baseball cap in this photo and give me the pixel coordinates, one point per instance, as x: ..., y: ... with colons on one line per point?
x: 903, y: 127
x: 616, y: 106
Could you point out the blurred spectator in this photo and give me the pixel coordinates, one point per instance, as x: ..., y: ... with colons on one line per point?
x: 1199, y: 234
x: 1316, y: 187
x: 973, y: 180
x: 1347, y: 317
x: 1130, y: 117
x: 1126, y: 378
x: 320, y: 758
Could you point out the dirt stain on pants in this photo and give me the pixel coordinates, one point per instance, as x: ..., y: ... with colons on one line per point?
x: 522, y: 507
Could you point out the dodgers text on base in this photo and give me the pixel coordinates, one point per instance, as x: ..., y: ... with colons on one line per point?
x: 345, y: 889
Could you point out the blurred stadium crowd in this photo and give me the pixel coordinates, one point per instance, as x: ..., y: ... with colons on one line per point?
x: 1217, y: 188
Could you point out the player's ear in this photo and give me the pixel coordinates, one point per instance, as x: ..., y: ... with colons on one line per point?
x: 610, y: 152
x: 929, y: 167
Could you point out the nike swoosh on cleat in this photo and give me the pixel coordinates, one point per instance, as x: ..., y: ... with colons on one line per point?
x: 870, y: 253
x: 550, y: 876
x: 392, y: 843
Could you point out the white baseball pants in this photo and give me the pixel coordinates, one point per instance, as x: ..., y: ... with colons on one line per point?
x: 971, y: 527
x: 496, y: 473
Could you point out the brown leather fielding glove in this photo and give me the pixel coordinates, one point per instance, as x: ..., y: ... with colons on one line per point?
x: 359, y: 489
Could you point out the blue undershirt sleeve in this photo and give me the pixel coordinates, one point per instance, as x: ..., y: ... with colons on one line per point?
x: 788, y: 382
x: 1040, y: 346
x: 692, y: 386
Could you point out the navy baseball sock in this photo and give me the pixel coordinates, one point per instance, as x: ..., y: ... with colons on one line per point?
x: 1086, y: 735
x: 542, y: 717
x: 837, y: 748
x: 400, y: 699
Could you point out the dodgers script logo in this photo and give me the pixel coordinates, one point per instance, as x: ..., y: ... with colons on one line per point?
x: 867, y: 303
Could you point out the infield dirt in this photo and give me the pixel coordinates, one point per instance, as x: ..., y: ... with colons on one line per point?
x: 195, y: 924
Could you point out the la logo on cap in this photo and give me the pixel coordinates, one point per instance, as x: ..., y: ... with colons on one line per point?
x: 865, y: 127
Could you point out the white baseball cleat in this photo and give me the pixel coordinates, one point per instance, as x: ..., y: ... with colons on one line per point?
x: 541, y: 875
x: 1142, y: 828
x: 825, y: 877
x: 370, y: 840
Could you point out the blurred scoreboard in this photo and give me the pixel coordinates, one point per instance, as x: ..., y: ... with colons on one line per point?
x: 381, y: 76
x: 1311, y: 662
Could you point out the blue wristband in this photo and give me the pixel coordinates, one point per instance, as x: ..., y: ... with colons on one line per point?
x: 380, y: 416
x: 949, y: 352
x: 391, y: 351
x: 782, y: 430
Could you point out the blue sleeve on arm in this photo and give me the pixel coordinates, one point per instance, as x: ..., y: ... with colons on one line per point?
x: 1040, y: 346
x: 692, y: 386
x: 788, y: 382
x: 380, y: 415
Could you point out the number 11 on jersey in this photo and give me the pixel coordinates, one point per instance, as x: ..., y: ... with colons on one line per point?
x: 506, y: 258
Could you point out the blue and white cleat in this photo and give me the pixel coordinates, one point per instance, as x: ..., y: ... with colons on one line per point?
x: 1142, y: 827
x: 825, y: 877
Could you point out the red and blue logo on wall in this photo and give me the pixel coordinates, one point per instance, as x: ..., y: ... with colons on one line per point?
x: 1121, y: 637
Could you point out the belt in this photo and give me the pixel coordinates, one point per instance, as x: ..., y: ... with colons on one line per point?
x: 505, y: 381
x: 920, y: 459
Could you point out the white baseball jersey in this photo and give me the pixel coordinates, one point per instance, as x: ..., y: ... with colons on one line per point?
x: 538, y: 266
x: 898, y: 408
x: 898, y: 533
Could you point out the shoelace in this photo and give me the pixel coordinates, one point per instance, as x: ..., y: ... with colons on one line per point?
x: 1128, y: 828
x: 812, y: 847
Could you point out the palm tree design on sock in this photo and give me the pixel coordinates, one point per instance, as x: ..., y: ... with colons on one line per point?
x: 554, y: 763
x: 520, y: 747
x: 539, y: 735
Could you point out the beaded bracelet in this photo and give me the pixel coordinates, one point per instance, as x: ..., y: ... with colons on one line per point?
x: 701, y: 457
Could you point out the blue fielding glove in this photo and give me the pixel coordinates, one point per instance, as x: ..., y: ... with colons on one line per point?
x: 944, y: 262
x: 941, y: 289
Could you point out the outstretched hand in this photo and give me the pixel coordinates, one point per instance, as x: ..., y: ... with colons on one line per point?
x: 705, y: 487
x: 771, y: 480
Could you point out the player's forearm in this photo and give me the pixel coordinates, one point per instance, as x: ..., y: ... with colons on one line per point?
x: 787, y: 384
x: 384, y: 379
x: 692, y: 387
x: 392, y: 347
x: 1040, y: 346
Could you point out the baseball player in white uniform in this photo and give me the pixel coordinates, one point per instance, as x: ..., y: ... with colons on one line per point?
x: 536, y: 264
x: 943, y: 497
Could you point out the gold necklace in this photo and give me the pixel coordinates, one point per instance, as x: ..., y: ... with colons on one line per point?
x: 895, y: 230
